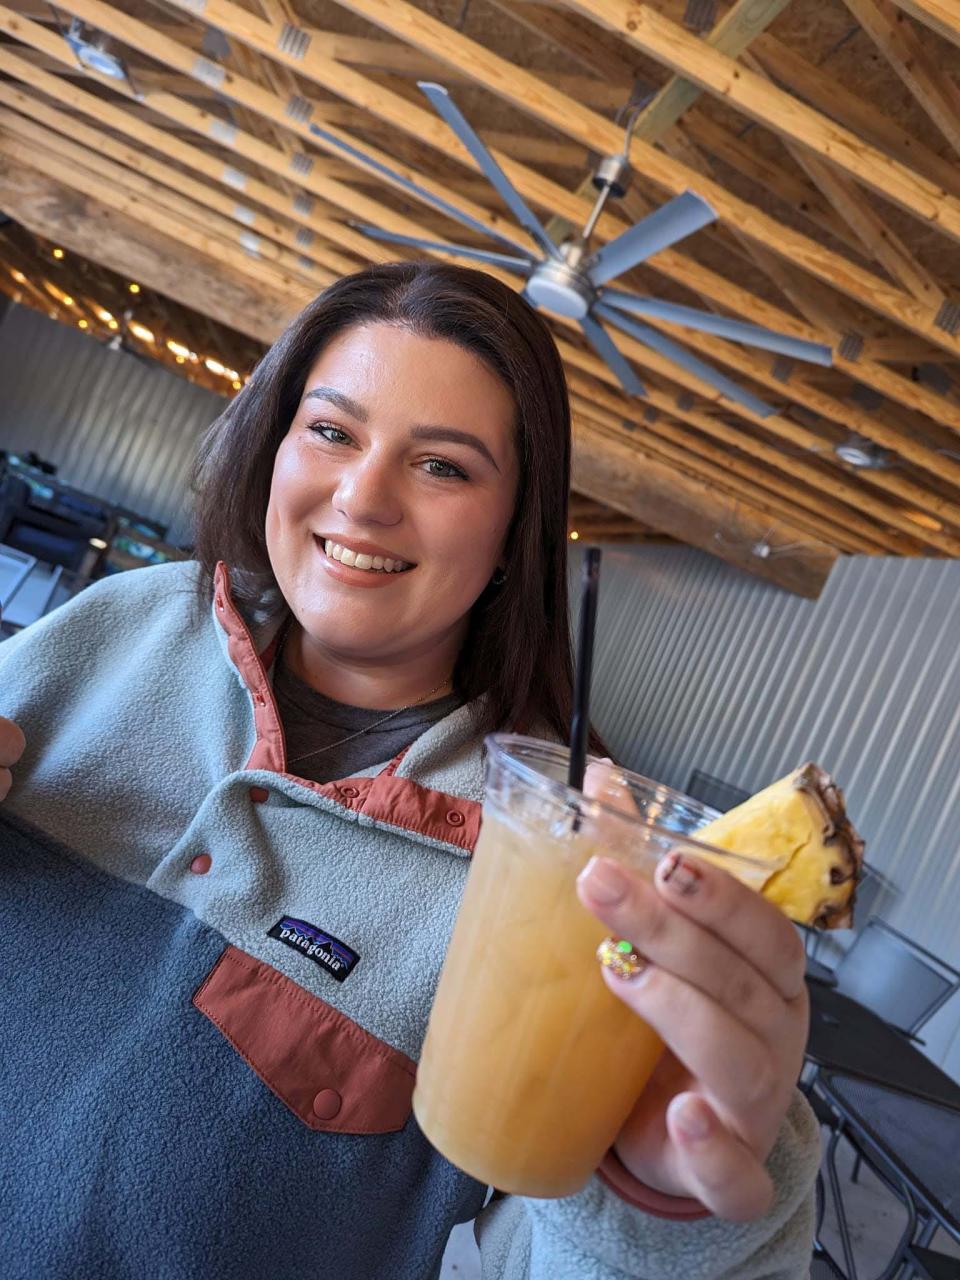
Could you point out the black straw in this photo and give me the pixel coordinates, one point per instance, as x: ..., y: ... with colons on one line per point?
x: 580, y: 722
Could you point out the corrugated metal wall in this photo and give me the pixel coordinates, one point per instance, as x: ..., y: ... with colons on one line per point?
x: 700, y: 666
x: 116, y: 426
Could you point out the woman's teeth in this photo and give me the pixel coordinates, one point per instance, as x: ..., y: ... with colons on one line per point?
x: 360, y: 560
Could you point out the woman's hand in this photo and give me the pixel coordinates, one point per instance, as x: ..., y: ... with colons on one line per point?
x: 724, y: 987
x: 12, y: 744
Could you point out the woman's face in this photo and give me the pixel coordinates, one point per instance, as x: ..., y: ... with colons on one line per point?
x: 392, y: 495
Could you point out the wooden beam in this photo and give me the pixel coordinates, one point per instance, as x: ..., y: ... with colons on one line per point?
x: 641, y: 486
x: 930, y: 84
x: 147, y: 209
x: 735, y: 31
x: 232, y: 179
x: 773, y: 178
x: 170, y: 189
x: 533, y: 95
x: 172, y: 267
x: 879, y: 240
x: 826, y: 92
x: 599, y: 53
x: 739, y: 25
x: 764, y: 102
x: 940, y: 16
x: 262, y: 236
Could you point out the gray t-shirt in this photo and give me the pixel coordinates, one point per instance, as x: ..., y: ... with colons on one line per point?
x: 311, y: 721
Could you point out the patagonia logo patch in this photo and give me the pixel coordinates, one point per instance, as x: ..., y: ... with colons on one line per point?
x: 322, y: 948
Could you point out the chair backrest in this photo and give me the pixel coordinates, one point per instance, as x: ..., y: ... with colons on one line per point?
x: 41, y: 592
x: 715, y: 792
x: 15, y: 567
x: 896, y: 978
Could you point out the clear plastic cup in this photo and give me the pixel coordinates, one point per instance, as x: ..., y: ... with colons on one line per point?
x: 530, y: 1065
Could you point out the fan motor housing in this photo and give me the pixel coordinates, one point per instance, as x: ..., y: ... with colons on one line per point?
x: 562, y: 289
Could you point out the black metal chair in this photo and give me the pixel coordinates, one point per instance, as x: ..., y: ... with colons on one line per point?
x: 895, y: 977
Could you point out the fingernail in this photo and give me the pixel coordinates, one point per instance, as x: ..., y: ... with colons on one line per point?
x: 694, y: 1119
x: 621, y: 958
x: 679, y: 876
x: 604, y: 881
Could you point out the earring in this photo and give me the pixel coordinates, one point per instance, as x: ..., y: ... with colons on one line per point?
x: 499, y: 577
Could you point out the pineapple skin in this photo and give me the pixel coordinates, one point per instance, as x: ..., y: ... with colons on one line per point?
x: 798, y: 827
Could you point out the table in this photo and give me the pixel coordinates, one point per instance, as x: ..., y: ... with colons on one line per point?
x: 847, y: 1038
x: 916, y: 1139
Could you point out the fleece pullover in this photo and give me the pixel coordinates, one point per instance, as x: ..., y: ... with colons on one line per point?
x: 216, y: 981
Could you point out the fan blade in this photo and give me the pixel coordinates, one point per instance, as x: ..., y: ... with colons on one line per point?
x: 607, y: 349
x: 673, y: 221
x: 414, y: 188
x: 681, y: 356
x: 523, y: 265
x: 444, y: 105
x: 752, y: 335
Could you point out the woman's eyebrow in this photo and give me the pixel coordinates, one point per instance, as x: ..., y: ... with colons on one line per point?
x: 450, y: 435
x: 344, y: 402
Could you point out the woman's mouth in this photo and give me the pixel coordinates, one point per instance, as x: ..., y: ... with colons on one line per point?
x: 354, y: 559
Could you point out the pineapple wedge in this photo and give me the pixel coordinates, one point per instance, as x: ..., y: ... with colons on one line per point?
x: 798, y: 827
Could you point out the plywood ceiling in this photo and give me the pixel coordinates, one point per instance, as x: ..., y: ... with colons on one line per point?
x: 825, y: 133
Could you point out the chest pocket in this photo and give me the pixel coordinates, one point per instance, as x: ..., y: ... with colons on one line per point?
x: 334, y: 1076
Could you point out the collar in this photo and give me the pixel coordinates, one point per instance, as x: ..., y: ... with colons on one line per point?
x: 433, y: 789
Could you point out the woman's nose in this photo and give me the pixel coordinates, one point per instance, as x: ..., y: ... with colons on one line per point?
x: 367, y: 493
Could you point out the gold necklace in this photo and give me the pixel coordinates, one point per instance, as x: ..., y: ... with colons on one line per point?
x: 367, y: 728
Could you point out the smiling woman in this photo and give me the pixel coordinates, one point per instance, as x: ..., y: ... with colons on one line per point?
x: 415, y: 414
x: 245, y: 810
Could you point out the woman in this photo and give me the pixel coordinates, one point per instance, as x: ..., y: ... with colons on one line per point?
x: 239, y: 832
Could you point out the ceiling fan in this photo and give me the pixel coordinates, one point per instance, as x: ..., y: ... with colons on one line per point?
x: 572, y: 280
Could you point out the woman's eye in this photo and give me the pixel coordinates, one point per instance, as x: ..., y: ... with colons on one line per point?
x: 329, y: 432
x: 444, y: 470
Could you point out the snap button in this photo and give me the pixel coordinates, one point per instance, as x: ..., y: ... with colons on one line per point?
x: 259, y: 794
x: 326, y: 1104
x: 350, y: 792
x: 455, y: 818
x: 201, y: 864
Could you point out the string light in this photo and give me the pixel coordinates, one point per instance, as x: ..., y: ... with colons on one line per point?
x: 82, y: 324
x: 142, y: 332
x: 134, y: 288
x: 237, y: 384
x: 19, y: 277
x: 104, y: 314
x: 58, y: 254
x: 112, y: 324
x: 178, y: 349
x: 574, y: 535
x: 214, y: 365
x: 181, y: 359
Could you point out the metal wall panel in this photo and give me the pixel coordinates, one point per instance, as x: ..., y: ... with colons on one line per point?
x: 117, y: 426
x: 700, y: 666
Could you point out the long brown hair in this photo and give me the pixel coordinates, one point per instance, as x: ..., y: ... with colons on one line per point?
x: 517, y: 650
